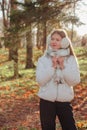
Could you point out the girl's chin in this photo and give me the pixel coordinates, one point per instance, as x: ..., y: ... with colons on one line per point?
x: 54, y: 48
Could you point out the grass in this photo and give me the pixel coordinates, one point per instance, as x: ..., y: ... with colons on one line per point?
x: 6, y: 67
x: 81, y: 53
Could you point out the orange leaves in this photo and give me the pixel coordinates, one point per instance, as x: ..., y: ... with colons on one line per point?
x: 3, y: 95
x: 82, y: 124
x: 7, y: 88
x: 80, y: 103
x: 29, y: 93
x: 21, y: 112
x: 13, y: 94
x: 17, y: 91
x: 4, y: 88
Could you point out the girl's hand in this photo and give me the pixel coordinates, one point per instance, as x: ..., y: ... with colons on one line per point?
x: 54, y: 61
x: 60, y: 61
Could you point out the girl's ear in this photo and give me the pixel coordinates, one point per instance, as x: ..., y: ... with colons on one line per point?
x: 65, y: 42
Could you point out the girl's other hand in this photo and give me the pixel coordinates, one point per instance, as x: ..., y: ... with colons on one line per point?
x: 60, y: 61
x: 54, y: 62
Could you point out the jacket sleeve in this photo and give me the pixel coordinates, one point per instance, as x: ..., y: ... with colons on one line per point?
x: 44, y: 72
x: 71, y: 73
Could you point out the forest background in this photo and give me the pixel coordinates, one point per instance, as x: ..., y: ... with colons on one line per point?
x: 23, y: 35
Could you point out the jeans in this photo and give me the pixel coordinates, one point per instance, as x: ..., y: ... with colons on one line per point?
x: 49, y: 111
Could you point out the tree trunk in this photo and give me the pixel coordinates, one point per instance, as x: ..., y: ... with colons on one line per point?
x: 15, y: 58
x: 5, y: 22
x: 37, y: 44
x: 72, y: 32
x: 44, y: 35
x: 74, y: 7
x: 39, y: 36
x: 13, y: 52
x: 0, y: 45
x: 3, y: 12
x: 29, y: 51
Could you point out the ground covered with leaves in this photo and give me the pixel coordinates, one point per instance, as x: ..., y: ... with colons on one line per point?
x: 19, y: 104
x: 22, y: 112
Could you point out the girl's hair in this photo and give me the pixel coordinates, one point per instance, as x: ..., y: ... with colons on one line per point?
x: 60, y: 32
x: 63, y: 34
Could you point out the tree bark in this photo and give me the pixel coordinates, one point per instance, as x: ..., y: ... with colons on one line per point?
x: 44, y: 35
x: 13, y: 52
x: 29, y: 50
x: 15, y: 58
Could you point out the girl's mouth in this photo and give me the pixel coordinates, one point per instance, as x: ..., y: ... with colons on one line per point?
x: 54, y: 45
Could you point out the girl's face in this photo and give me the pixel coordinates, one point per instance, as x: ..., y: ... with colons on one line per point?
x: 55, y: 41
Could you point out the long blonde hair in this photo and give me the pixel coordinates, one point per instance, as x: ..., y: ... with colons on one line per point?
x: 63, y: 34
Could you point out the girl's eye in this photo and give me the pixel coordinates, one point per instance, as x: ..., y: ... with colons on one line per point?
x: 57, y: 39
x: 52, y: 38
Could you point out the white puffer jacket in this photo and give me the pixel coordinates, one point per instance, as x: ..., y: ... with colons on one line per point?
x: 51, y: 90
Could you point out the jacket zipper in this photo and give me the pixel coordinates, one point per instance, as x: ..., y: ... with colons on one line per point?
x: 57, y: 91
